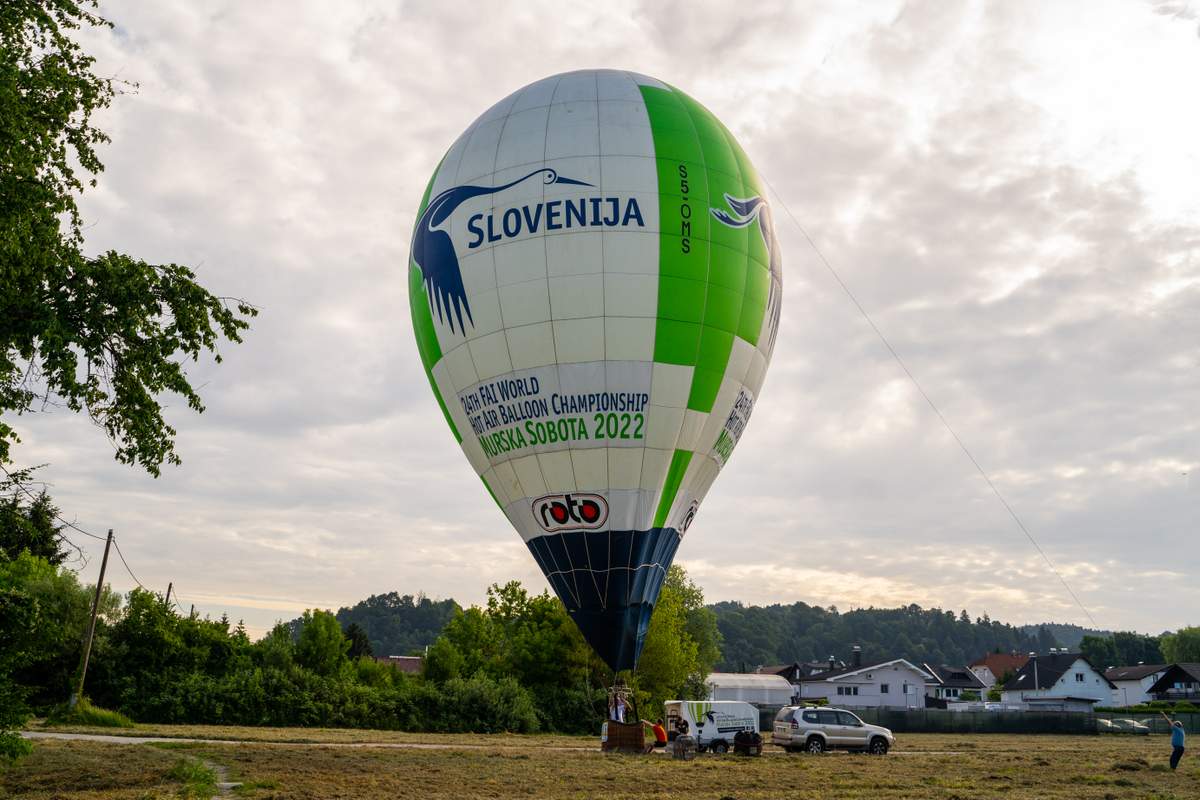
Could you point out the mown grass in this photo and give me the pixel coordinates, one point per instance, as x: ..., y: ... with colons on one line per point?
x: 922, y: 766
x: 92, y: 771
x: 318, y: 735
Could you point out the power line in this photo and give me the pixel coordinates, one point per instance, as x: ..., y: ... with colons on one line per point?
x: 962, y: 446
x: 126, y: 563
x: 59, y: 517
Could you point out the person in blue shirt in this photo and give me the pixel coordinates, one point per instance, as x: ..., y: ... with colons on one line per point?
x: 1177, y: 739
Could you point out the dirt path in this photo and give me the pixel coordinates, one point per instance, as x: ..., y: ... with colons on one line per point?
x: 116, y: 739
x: 225, y: 786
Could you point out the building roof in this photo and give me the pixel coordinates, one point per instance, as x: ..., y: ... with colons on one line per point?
x: 797, y: 668
x: 844, y: 672
x: 748, y: 680
x: 778, y: 669
x: 1175, y: 672
x: 1048, y: 669
x: 953, y: 677
x: 1000, y: 663
x: 1133, y: 673
x: 409, y: 664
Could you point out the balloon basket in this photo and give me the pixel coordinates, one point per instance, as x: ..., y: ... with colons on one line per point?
x: 623, y: 737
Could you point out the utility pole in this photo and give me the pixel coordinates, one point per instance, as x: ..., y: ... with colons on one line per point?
x: 168, y: 600
x: 87, y: 646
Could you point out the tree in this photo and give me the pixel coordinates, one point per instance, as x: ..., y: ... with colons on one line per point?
x: 18, y: 620
x: 1121, y: 649
x: 669, y: 656
x: 1101, y: 651
x: 64, y: 608
x: 321, y: 646
x: 106, y: 335
x: 30, y: 525
x: 1181, y: 646
x: 360, y: 645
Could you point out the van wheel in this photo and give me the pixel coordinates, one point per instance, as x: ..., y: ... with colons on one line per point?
x: 815, y: 745
x: 879, y: 746
x: 720, y: 747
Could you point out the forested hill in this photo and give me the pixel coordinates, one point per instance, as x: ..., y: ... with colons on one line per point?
x: 397, y: 625
x: 1069, y: 636
x: 779, y: 634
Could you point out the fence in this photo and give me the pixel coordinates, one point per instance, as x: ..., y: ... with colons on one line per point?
x: 1153, y: 719
x: 937, y: 721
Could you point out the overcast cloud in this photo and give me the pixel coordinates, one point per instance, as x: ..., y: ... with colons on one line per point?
x: 1010, y: 189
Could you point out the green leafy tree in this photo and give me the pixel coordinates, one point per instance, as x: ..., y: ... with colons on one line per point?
x: 108, y: 335
x: 360, y: 645
x: 1101, y: 651
x: 1181, y: 646
x: 444, y: 661
x: 396, y: 624
x: 321, y: 647
x: 669, y: 656
x: 277, y: 649
x: 64, y: 608
x: 993, y: 694
x: 1121, y: 649
x: 18, y: 621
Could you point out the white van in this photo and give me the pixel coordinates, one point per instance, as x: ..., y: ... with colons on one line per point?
x: 714, y: 723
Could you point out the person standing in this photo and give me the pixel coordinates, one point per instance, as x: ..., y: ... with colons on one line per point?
x: 1177, y: 739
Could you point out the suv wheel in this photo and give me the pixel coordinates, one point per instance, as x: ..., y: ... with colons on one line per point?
x: 815, y: 745
x: 720, y: 747
x: 879, y: 746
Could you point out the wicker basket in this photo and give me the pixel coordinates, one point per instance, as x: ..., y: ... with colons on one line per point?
x: 623, y: 737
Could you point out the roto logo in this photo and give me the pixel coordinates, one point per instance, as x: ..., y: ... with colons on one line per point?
x: 561, y: 512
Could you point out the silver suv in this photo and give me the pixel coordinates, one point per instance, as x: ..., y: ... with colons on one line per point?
x: 819, y: 729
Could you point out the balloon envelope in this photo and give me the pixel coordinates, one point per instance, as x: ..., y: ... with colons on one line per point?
x: 595, y: 288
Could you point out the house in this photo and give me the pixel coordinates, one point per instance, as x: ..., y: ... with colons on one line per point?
x: 949, y: 683
x: 994, y: 668
x: 1178, y: 682
x: 749, y: 687
x: 1058, y: 682
x: 897, y: 683
x: 1133, y: 683
x: 409, y: 664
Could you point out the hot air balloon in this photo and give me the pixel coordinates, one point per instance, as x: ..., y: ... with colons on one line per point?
x: 595, y: 287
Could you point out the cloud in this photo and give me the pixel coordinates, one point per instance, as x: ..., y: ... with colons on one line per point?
x: 1012, y: 206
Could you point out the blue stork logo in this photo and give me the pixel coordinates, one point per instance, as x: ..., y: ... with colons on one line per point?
x: 434, y: 253
x: 743, y: 213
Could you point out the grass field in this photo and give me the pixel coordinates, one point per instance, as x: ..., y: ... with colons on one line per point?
x: 347, y: 766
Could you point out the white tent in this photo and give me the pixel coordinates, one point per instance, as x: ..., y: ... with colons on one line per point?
x: 764, y: 690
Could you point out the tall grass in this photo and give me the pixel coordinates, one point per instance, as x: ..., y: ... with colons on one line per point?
x: 198, y: 779
x: 84, y: 713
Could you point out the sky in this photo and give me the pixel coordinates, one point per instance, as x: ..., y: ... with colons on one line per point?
x: 1008, y: 189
